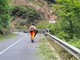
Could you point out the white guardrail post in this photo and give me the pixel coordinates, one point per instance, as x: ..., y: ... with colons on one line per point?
x: 71, y: 49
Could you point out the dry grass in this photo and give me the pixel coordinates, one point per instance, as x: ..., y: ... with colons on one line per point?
x: 19, y: 2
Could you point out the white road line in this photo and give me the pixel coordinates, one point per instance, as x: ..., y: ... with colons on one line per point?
x: 11, y: 46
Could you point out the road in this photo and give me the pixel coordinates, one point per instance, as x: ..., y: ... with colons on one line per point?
x: 19, y: 48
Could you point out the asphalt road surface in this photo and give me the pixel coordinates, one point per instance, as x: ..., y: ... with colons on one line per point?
x: 19, y: 48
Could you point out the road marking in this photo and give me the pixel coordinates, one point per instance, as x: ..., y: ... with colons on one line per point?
x: 11, y: 45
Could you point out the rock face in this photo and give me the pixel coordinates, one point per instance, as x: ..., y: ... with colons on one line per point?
x: 44, y: 9
x: 19, y: 2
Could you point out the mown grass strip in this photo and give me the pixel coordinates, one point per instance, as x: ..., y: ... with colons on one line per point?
x: 75, y: 42
x: 64, y: 55
x: 7, y: 37
x: 45, y: 52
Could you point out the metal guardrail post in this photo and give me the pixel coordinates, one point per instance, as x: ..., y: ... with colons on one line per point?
x: 47, y: 30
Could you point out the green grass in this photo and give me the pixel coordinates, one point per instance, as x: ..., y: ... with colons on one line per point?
x: 45, y: 52
x: 64, y: 55
x: 75, y: 42
x: 11, y: 35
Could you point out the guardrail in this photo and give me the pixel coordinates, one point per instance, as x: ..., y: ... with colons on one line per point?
x: 27, y: 31
x: 71, y: 49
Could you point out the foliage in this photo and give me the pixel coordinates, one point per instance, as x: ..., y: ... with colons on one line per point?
x: 7, y: 37
x: 68, y: 12
x: 42, y: 24
x: 63, y: 54
x: 19, y: 11
x: 21, y: 22
x: 75, y: 42
x: 67, y: 25
x: 4, y: 15
x: 58, y: 30
x: 22, y: 27
x: 26, y: 12
x: 33, y: 15
x: 45, y: 52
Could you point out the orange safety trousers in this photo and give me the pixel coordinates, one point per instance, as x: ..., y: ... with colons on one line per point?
x: 32, y: 35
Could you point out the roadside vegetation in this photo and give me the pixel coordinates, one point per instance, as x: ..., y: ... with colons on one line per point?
x: 29, y: 14
x: 45, y: 52
x: 5, y: 20
x: 11, y: 35
x: 4, y: 16
x: 16, y: 17
x: 63, y: 54
x: 67, y: 24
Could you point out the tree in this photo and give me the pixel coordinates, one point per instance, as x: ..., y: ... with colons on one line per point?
x: 4, y: 15
x: 68, y: 12
x: 26, y: 13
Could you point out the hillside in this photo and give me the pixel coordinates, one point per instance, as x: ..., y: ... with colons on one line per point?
x: 19, y: 2
x: 39, y: 5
